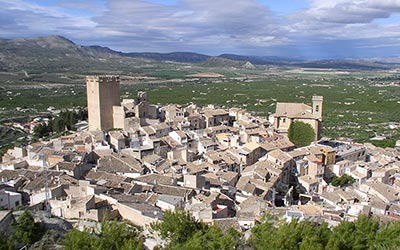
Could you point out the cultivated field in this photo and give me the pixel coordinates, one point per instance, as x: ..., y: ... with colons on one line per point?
x: 359, y: 105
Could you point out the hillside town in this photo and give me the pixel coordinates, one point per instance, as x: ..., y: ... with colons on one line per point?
x: 227, y: 167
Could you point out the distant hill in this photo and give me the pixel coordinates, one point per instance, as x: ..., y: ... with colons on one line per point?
x: 56, y: 46
x: 102, y: 51
x: 355, y: 64
x: 186, y: 57
x: 224, y: 62
x: 257, y: 60
x: 55, y: 54
x: 58, y: 54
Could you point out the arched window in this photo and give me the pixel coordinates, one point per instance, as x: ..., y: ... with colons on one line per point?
x: 317, y: 108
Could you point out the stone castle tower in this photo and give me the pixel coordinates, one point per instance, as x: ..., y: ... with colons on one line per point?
x: 102, y: 94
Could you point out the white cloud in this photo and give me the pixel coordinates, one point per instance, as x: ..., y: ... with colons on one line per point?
x: 209, y: 26
x: 20, y: 19
x: 345, y: 19
x: 85, y: 5
x: 349, y: 11
x: 188, y: 22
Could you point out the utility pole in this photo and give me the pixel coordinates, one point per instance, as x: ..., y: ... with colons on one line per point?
x: 46, y: 183
x: 273, y: 198
x: 47, y: 187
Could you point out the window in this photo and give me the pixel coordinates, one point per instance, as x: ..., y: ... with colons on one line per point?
x: 316, y: 108
x: 284, y: 120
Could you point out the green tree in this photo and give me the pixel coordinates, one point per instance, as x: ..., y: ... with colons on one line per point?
x: 5, y: 148
x: 342, y: 237
x: 294, y: 235
x: 261, y: 234
x: 387, y: 236
x: 357, y: 235
x: 76, y: 239
x: 58, y: 125
x: 180, y: 230
x: 177, y: 227
x: 288, y: 236
x: 342, y: 181
x: 69, y: 119
x: 65, y: 120
x: 25, y: 231
x: 41, y: 130
x: 391, y: 143
x: 314, y: 237
x: 4, y: 245
x: 114, y: 236
x: 365, y: 232
x: 48, y: 241
x: 212, y: 238
x: 82, y: 115
x: 118, y: 235
x: 301, y: 134
x: 233, y: 239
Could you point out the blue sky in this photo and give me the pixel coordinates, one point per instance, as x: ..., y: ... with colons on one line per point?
x: 310, y: 29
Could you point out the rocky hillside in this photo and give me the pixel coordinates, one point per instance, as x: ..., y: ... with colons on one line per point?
x: 224, y: 62
x: 53, y: 53
x: 58, y: 54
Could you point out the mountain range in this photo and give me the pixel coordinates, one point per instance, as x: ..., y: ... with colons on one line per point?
x: 54, y: 53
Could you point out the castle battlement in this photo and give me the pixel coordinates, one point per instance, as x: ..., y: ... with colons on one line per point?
x: 102, y: 78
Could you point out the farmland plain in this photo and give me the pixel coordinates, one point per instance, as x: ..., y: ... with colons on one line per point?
x: 358, y: 105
